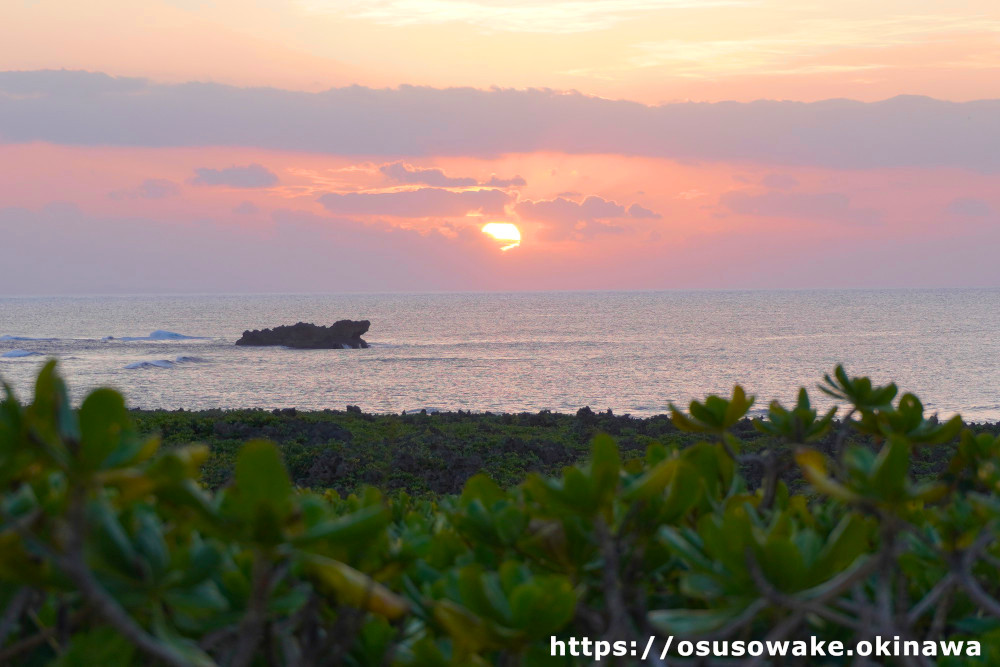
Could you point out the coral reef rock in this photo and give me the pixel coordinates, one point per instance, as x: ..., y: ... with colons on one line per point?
x: 340, y: 335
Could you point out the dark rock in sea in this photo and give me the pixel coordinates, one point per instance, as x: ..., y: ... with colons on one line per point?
x: 342, y: 334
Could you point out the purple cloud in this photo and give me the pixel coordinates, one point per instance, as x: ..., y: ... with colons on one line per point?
x: 637, y: 211
x: 251, y: 176
x: 422, y: 203
x: 565, y: 211
x: 151, y: 188
x: 904, y: 131
x: 404, y: 173
x: 401, y: 172
x: 827, y: 206
x: 779, y: 181
x: 246, y: 208
x: 495, y: 182
x: 566, y: 218
x: 969, y: 207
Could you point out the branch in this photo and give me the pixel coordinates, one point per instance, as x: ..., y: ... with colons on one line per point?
x: 794, y: 603
x: 14, y: 609
x: 738, y: 623
x: 45, y: 635
x: 75, y: 567
x: 780, y: 631
x: 31, y: 642
x: 253, y: 622
x: 613, y: 597
x: 941, y: 615
x: 968, y: 580
x: 928, y: 601
x: 112, y: 612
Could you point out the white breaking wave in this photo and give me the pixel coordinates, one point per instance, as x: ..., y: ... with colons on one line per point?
x: 13, y: 354
x: 165, y: 363
x: 159, y: 363
x: 159, y: 334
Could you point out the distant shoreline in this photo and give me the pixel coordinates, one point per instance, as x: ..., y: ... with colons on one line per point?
x: 442, y: 412
x: 436, y: 453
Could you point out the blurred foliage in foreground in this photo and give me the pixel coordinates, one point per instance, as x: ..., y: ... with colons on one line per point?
x: 112, y: 552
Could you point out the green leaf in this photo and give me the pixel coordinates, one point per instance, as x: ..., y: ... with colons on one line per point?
x: 542, y: 606
x: 100, y: 646
x: 260, y: 474
x: 355, y: 588
x: 848, y: 540
x: 354, y: 528
x: 113, y: 542
x: 104, y: 423
x: 605, y: 466
x: 889, y: 474
x: 481, y: 487
x: 262, y: 492
x: 685, y: 492
x: 150, y: 544
x: 814, y: 469
x: 690, y: 623
x: 482, y: 593
x: 178, y: 644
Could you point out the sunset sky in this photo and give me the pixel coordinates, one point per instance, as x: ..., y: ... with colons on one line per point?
x: 362, y: 145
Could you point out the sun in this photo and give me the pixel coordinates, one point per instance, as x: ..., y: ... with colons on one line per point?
x: 504, y: 231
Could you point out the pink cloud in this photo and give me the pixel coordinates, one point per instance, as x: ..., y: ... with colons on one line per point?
x: 821, y: 206
x: 151, y: 188
x: 401, y: 172
x: 422, y: 203
x: 904, y: 131
x: 969, y: 207
x: 566, y: 218
x: 251, y: 176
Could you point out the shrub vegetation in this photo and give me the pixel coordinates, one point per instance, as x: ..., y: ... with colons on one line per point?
x: 113, y: 550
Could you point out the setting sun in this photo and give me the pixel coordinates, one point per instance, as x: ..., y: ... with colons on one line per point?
x: 504, y: 231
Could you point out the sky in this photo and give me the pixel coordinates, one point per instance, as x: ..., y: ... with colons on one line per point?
x: 163, y: 146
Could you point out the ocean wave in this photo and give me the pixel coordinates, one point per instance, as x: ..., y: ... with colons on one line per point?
x: 158, y: 363
x: 14, y: 354
x: 165, y: 363
x: 159, y: 334
x: 11, y: 338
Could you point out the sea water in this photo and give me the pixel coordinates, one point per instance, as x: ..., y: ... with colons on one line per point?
x: 633, y: 352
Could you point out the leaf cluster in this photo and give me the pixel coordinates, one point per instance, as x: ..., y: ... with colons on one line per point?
x: 113, y: 551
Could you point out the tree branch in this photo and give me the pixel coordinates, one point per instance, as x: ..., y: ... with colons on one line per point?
x: 253, y: 622
x: 13, y: 612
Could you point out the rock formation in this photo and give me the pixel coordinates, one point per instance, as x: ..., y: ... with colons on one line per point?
x: 342, y: 334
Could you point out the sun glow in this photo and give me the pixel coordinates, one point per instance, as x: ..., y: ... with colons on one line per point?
x: 504, y: 231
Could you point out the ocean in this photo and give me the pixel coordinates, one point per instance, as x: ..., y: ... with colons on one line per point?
x: 632, y: 352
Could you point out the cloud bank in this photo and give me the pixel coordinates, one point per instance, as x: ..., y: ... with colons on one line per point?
x: 969, y: 207
x: 92, y: 109
x: 151, y: 188
x: 566, y: 218
x: 401, y: 172
x: 422, y: 203
x: 251, y: 176
x: 819, y: 206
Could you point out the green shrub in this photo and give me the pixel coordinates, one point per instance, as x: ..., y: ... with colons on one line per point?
x: 113, y: 552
